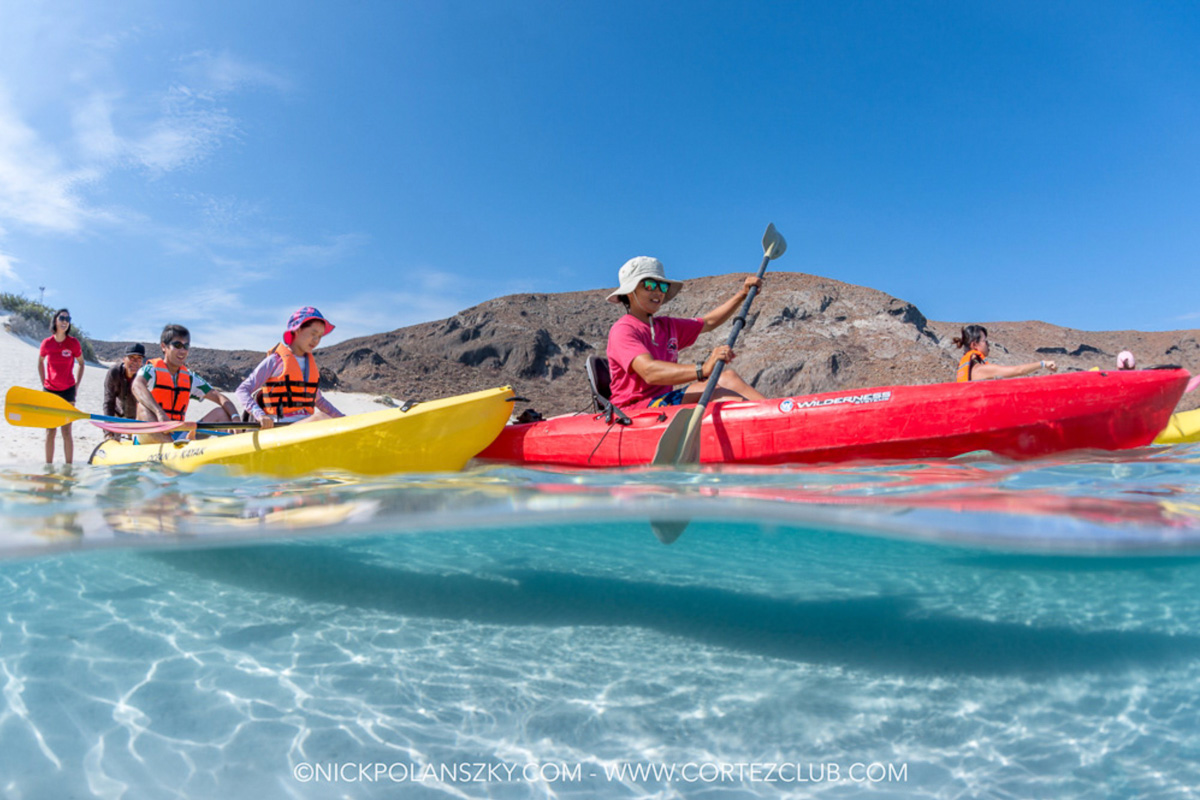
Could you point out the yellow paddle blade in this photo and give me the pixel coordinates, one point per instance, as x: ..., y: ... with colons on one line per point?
x: 30, y: 408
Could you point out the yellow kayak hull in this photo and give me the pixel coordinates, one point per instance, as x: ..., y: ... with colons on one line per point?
x: 1182, y: 427
x: 434, y: 436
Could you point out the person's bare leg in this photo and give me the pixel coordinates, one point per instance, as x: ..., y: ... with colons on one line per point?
x: 217, y: 416
x: 733, y: 382
x: 49, y: 445
x: 68, y: 443
x: 144, y: 415
x: 729, y: 387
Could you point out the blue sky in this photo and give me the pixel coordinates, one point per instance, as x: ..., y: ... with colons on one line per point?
x: 222, y: 163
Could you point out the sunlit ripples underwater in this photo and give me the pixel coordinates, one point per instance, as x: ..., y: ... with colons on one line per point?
x: 951, y: 629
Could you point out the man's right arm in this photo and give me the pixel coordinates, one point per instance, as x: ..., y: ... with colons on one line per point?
x: 145, y: 398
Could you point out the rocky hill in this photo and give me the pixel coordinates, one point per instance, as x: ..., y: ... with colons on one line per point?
x: 805, y: 334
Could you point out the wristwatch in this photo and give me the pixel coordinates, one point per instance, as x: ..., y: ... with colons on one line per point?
x: 699, y: 370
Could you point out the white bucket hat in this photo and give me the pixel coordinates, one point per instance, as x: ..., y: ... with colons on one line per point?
x: 635, y: 270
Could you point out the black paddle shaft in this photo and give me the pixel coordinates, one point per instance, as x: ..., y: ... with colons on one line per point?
x: 739, y: 322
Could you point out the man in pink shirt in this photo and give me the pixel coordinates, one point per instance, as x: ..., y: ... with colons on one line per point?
x: 643, y: 349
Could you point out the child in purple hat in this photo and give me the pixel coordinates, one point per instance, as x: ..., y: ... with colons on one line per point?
x: 284, y: 385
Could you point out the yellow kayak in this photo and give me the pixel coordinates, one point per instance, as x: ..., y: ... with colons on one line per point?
x: 433, y: 436
x: 1182, y: 427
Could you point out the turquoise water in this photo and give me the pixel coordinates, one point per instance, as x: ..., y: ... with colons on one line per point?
x: 969, y: 628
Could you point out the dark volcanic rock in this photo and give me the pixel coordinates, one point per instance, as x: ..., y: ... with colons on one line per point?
x: 805, y: 334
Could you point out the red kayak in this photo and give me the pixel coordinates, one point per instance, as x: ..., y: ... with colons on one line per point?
x: 1016, y: 418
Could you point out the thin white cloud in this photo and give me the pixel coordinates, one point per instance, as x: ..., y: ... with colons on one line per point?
x: 224, y: 214
x: 213, y: 301
x: 245, y: 253
x: 188, y: 126
x: 92, y: 120
x: 379, y: 312
x: 218, y: 315
x: 215, y: 315
x: 150, y: 124
x: 36, y: 188
x: 431, y: 294
x: 336, y: 250
x: 194, y: 123
x: 45, y: 173
x: 8, y: 269
x: 223, y: 73
x: 187, y: 133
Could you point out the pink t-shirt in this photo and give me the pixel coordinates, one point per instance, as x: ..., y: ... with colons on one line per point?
x: 60, y: 361
x: 630, y: 338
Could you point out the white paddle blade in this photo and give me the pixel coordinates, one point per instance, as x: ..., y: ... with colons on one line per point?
x: 680, y: 442
x: 667, y: 452
x: 667, y: 531
x: 773, y: 242
x: 689, y: 448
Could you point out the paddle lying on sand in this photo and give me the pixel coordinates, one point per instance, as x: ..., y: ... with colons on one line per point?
x: 680, y: 442
x: 29, y: 408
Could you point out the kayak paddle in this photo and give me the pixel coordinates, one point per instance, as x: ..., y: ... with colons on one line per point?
x: 680, y: 442
x: 29, y: 408
x: 132, y: 427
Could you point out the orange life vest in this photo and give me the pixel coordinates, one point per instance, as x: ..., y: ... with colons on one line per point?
x: 967, y: 362
x: 289, y: 393
x: 172, y: 392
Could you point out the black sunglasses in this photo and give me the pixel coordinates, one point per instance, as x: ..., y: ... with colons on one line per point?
x: 63, y: 318
x: 181, y: 345
x: 652, y: 285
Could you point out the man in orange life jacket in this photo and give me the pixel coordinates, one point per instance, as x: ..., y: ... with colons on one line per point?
x: 974, y: 366
x: 164, y: 386
x: 288, y: 377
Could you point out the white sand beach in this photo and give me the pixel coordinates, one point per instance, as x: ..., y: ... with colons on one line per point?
x: 25, y: 447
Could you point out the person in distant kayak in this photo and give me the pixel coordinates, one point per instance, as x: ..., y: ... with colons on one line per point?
x: 974, y: 366
x: 60, y: 367
x: 164, y: 387
x: 118, y: 383
x: 289, y: 377
x: 643, y: 348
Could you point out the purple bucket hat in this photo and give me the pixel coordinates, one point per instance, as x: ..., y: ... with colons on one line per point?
x: 299, y: 318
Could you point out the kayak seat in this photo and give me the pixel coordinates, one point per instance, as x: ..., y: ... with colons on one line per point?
x: 600, y: 379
